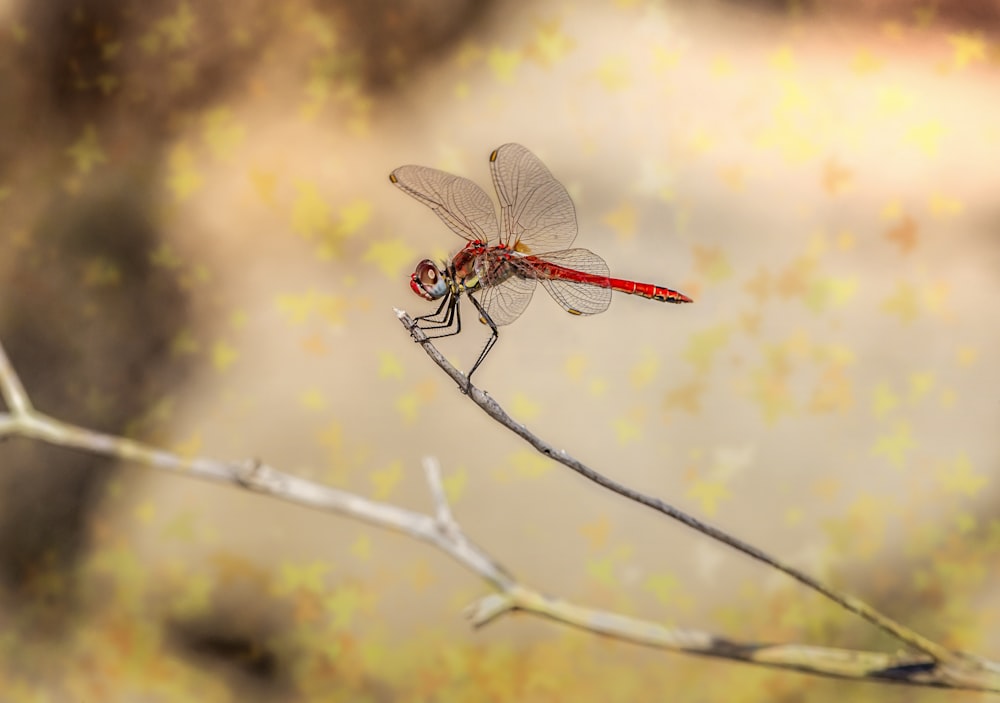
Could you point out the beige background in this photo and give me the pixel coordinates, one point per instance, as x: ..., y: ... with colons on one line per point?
x: 820, y: 179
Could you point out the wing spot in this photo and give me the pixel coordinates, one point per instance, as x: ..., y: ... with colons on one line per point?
x: 573, y: 311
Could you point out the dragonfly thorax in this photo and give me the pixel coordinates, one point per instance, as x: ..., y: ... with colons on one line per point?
x: 428, y: 281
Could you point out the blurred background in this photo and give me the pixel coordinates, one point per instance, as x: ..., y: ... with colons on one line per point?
x: 201, y: 249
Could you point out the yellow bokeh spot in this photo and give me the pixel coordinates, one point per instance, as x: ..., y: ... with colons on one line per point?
x: 709, y: 494
x: 920, y: 385
x: 893, y: 210
x: 389, y: 365
x: 703, y: 346
x: 293, y: 578
x: 575, y: 366
x: 895, y: 445
x: 313, y: 399
x: 189, y: 447
x: 645, y: 370
x: 597, y: 532
x: 597, y: 387
x: 222, y: 132
x: 665, y: 59
x: 902, y: 303
x: 926, y: 136
x: 967, y: 356
x: 86, y: 152
x: 967, y: 49
x: 503, y: 63
x: 299, y: 308
x: 224, y: 355
x: 864, y: 62
x: 310, y: 213
x: 385, y: 480
x: 529, y: 464
x: 782, y: 59
x: 101, y: 272
x: 408, y: 405
x: 184, y: 343
x: 712, y: 263
x: 622, y: 220
x: 362, y: 547
x: 391, y: 257
x: 523, y: 408
x: 627, y: 429
x: 145, y: 512
x: 264, y: 185
x: 893, y: 100
x: 613, y: 73
x: 721, y: 66
x: 549, y: 43
x: 468, y: 53
x: 663, y: 586
x: 352, y: 217
x: 884, y: 400
x: 958, y: 477
x: 943, y: 206
x: 183, y: 178
x: 454, y: 484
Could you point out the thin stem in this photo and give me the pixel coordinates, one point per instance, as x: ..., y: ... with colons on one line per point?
x: 494, y: 410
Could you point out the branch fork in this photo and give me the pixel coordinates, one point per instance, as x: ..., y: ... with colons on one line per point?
x: 934, y: 666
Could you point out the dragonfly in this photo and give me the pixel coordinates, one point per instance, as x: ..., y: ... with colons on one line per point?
x: 502, y: 261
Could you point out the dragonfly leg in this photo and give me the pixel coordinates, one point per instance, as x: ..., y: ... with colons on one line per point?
x: 452, y: 317
x: 441, y: 311
x: 489, y: 345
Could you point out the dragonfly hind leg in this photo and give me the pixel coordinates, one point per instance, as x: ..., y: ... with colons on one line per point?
x: 489, y: 344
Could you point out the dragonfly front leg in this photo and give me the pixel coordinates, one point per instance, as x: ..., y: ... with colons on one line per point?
x: 484, y: 316
x: 452, y: 316
x: 444, y: 313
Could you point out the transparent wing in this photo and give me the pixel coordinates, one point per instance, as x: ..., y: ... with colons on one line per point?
x: 537, y: 213
x: 586, y: 293
x: 507, y: 300
x: 460, y: 203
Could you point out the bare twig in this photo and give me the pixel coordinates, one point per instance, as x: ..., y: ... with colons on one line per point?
x: 442, y: 531
x: 940, y: 663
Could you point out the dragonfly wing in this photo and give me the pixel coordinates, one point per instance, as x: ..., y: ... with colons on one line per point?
x: 507, y: 300
x: 580, y: 295
x: 537, y: 212
x: 460, y: 203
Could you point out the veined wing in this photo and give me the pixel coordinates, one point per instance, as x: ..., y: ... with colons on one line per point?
x: 505, y: 301
x: 537, y: 213
x: 576, y: 278
x: 460, y: 203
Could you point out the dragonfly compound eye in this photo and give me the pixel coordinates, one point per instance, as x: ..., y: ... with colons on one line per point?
x: 428, y: 281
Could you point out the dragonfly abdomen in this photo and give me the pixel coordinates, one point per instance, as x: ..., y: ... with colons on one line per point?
x: 648, y: 290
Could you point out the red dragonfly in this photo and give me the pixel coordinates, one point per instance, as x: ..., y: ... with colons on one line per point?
x: 498, y: 269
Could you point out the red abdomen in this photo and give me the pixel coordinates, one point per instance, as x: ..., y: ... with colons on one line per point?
x: 648, y: 290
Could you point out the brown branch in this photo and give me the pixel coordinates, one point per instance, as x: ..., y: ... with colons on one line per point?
x: 939, y: 667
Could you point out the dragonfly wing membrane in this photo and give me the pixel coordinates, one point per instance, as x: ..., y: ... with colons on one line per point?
x: 504, y: 302
x: 586, y: 294
x: 536, y: 211
x: 460, y: 203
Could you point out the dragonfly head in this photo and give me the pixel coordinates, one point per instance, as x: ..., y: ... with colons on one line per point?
x: 428, y: 281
